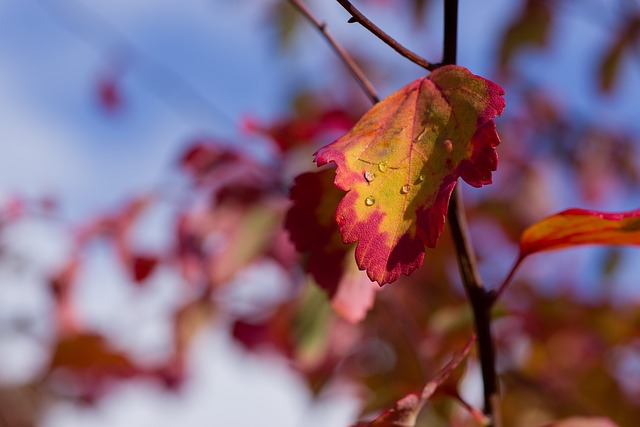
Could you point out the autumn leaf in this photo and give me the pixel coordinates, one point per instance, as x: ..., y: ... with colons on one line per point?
x: 91, y: 363
x: 581, y: 227
x: 530, y: 29
x: 406, y: 410
x: 400, y: 163
x: 313, y: 230
x: 142, y: 266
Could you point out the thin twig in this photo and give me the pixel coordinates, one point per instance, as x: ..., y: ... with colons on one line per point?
x: 507, y: 280
x: 357, y: 16
x: 479, y: 298
x: 342, y: 53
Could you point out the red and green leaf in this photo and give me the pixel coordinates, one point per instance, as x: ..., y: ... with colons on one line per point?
x: 400, y: 162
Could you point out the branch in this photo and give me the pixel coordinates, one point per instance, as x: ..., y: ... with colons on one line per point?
x: 357, y: 16
x: 346, y: 58
x: 480, y: 300
x: 507, y: 280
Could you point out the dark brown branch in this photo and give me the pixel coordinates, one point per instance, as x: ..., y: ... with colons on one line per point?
x: 357, y: 16
x: 480, y: 300
x: 346, y: 58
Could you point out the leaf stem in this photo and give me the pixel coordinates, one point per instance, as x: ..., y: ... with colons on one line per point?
x: 357, y: 16
x: 480, y: 300
x: 507, y: 280
x: 355, y: 70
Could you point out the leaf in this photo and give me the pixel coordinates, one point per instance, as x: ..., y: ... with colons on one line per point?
x: 404, y: 414
x: 313, y: 230
x: 624, y: 42
x: 581, y: 227
x: 142, y: 266
x: 529, y: 29
x: 91, y: 364
x: 355, y: 294
x: 109, y: 94
x: 406, y: 410
x: 204, y: 155
x: 401, y: 161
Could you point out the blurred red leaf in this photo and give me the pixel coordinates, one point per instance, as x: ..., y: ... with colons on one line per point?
x: 92, y: 363
x: 109, y: 94
x: 203, y: 155
x: 313, y: 230
x: 273, y: 332
x: 143, y: 266
x: 291, y: 133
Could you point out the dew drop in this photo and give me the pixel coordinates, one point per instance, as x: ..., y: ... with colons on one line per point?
x: 448, y: 145
x: 369, y: 176
x: 383, y: 167
x: 369, y: 201
x: 405, y: 189
x: 421, y: 178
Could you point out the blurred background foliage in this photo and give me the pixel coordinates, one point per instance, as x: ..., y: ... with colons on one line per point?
x: 567, y: 329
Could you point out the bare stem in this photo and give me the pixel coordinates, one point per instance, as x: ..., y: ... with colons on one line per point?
x: 354, y: 69
x: 357, y: 16
x: 507, y: 280
x: 480, y: 300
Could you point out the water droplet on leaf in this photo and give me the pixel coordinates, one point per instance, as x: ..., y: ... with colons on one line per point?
x: 383, y: 167
x: 448, y: 145
x: 369, y: 176
x: 369, y: 201
x: 421, y: 178
x: 405, y: 189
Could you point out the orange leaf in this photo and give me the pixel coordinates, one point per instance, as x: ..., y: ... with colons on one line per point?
x: 401, y: 161
x: 581, y: 227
